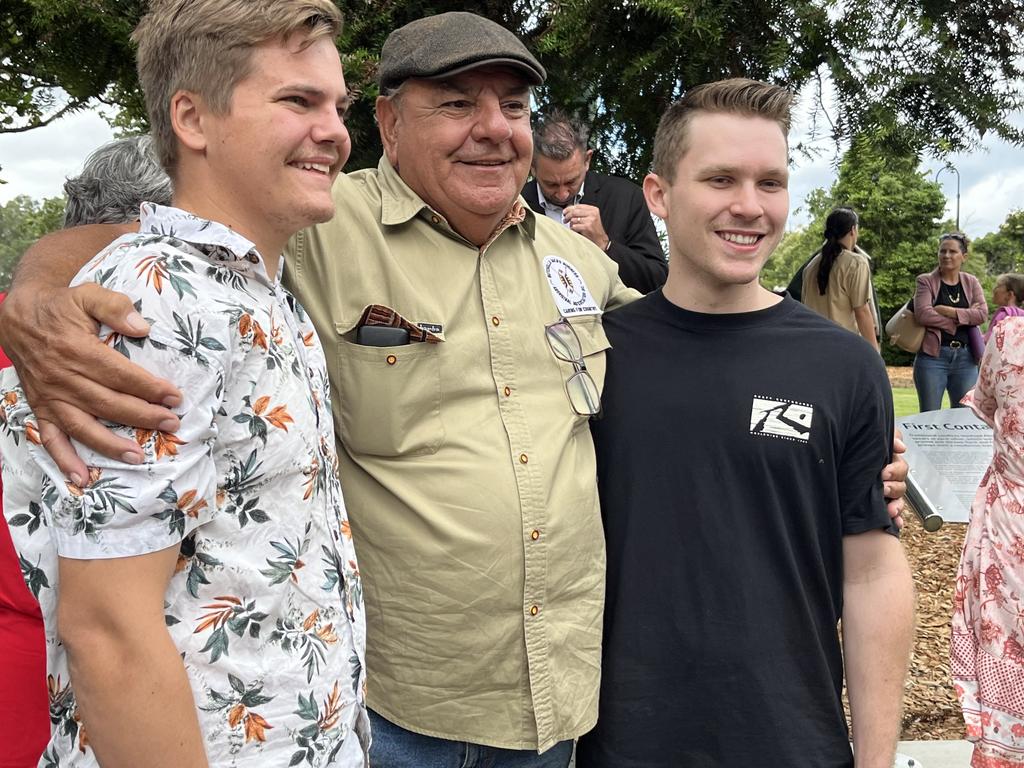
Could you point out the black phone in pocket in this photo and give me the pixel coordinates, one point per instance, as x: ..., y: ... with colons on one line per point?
x: 381, y: 336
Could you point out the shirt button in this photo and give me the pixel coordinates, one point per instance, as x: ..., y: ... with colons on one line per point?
x: 523, y: 458
x: 508, y: 391
x: 391, y: 359
x: 535, y: 535
x: 495, y: 321
x: 534, y: 610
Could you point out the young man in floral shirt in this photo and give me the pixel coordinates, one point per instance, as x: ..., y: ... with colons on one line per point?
x: 203, y: 607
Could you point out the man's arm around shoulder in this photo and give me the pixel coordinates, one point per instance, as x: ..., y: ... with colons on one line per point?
x: 878, y: 630
x: 50, y: 333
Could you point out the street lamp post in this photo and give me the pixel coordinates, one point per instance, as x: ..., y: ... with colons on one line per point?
x: 951, y: 167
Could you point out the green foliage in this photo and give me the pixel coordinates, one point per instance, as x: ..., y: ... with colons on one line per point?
x: 923, y: 74
x: 22, y: 222
x: 79, y: 46
x: 899, y: 208
x: 1003, y: 251
x: 926, y: 74
x: 796, y: 247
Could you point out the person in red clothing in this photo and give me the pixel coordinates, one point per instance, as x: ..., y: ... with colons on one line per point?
x: 24, y: 719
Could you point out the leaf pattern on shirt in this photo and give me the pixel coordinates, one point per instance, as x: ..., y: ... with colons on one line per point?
x: 256, y: 416
x: 265, y: 580
x: 238, y: 703
x: 288, y: 560
x: 163, y: 443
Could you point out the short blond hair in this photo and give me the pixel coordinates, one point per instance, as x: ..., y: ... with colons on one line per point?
x: 738, y: 96
x: 206, y: 46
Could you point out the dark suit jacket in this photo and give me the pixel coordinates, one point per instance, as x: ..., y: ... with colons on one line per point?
x: 627, y: 221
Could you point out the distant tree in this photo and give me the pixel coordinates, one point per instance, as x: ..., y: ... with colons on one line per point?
x: 799, y: 244
x: 1003, y: 250
x: 926, y: 74
x: 62, y: 56
x: 22, y: 222
x: 900, y: 210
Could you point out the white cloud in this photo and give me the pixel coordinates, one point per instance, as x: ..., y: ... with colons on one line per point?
x: 35, y: 163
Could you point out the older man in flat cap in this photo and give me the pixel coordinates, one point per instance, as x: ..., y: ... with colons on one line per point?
x: 467, y: 357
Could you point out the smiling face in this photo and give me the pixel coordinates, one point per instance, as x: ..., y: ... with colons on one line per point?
x: 725, y: 210
x: 273, y: 157
x: 560, y: 180
x: 463, y: 144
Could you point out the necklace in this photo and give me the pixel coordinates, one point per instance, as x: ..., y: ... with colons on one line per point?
x: 954, y: 298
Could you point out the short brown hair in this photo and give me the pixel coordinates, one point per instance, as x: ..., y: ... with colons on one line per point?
x: 206, y: 46
x: 738, y: 96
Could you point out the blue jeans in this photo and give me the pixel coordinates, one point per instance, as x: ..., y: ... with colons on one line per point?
x: 395, y: 747
x: 954, y: 371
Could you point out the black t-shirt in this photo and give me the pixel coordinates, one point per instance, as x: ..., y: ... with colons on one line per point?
x: 734, y: 454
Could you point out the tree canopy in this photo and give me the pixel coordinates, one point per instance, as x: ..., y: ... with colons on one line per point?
x: 1003, y: 250
x: 926, y: 74
x: 900, y: 210
x: 22, y: 222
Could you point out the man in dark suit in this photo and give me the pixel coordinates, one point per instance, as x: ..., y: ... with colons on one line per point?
x: 607, y: 210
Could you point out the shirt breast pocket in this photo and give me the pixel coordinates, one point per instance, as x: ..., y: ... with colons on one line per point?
x: 390, y: 398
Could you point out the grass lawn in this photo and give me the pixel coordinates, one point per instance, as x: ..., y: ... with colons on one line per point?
x: 904, y: 400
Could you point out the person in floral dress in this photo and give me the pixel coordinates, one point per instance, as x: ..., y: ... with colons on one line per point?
x: 987, y: 649
x: 204, y: 607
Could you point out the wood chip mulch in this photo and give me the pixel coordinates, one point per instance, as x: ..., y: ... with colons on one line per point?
x: 930, y: 708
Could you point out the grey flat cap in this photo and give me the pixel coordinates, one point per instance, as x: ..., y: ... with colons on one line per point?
x: 449, y: 43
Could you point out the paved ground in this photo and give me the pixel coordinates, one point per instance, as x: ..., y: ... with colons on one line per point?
x: 934, y: 754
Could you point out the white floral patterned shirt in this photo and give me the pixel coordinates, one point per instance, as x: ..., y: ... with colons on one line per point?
x: 266, y: 604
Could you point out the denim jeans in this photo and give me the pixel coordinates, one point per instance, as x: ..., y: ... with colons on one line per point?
x: 954, y: 371
x: 395, y: 747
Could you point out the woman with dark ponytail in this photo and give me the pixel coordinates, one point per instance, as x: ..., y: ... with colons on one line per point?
x: 837, y: 281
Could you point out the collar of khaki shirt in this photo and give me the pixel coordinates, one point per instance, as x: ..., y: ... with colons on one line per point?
x: 399, y: 204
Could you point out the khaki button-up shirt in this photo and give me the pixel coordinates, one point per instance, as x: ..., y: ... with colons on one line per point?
x: 469, y: 479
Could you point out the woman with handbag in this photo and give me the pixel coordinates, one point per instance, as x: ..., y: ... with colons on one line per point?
x: 837, y: 281
x: 950, y: 304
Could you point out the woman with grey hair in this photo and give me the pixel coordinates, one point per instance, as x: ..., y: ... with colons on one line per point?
x: 116, y: 178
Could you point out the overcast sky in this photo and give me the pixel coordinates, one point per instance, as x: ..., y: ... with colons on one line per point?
x: 36, y: 162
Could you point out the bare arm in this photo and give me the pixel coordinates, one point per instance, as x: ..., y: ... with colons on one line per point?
x: 130, y: 684
x: 878, y: 625
x: 866, y: 324
x: 69, y: 375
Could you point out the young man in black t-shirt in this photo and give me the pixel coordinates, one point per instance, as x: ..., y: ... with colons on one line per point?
x: 739, y: 461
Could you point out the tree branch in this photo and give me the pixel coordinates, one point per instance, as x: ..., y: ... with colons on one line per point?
x: 69, y: 107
